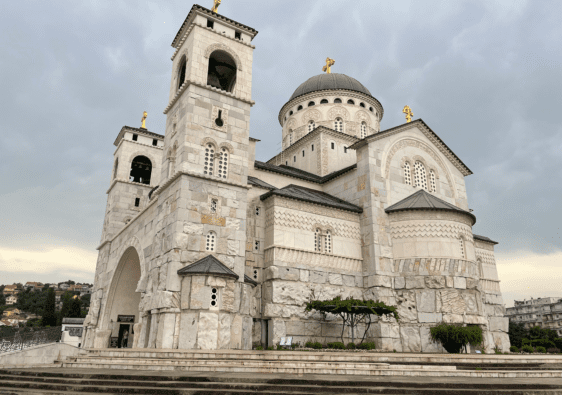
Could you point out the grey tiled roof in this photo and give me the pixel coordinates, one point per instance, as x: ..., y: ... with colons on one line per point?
x: 422, y: 200
x: 75, y: 321
x: 259, y: 183
x: 331, y: 81
x: 208, y: 266
x: 312, y: 196
x: 301, y: 174
x: 484, y: 238
x: 249, y: 280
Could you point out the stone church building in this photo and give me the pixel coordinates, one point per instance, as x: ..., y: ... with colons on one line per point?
x: 205, y: 247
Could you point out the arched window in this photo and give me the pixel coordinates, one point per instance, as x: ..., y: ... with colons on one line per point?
x: 211, y: 241
x: 223, y: 163
x: 461, y: 246
x: 324, y: 101
x: 291, y: 112
x: 141, y: 170
x: 338, y: 125
x: 222, y: 71
x: 371, y: 109
x: 338, y: 100
x: 209, y: 160
x: 115, y: 167
x: 318, y: 240
x: 311, y: 126
x: 299, y: 108
x: 310, y: 104
x: 351, y: 102
x: 181, y: 71
x: 362, y: 105
x: 420, y: 177
x: 363, y: 129
x: 432, y: 183
x: 328, y: 242
x: 407, y: 174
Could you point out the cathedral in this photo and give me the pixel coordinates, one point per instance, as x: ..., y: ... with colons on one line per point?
x: 205, y: 247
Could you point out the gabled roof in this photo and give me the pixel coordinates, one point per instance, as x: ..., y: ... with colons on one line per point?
x: 249, y: 280
x: 259, y: 183
x: 430, y: 134
x: 301, y: 174
x: 312, y: 196
x: 208, y: 266
x: 484, y: 238
x: 422, y: 200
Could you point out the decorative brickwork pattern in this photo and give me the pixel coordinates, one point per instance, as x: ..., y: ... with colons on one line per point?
x: 311, y: 259
x: 437, y: 229
x: 436, y: 266
x: 296, y: 220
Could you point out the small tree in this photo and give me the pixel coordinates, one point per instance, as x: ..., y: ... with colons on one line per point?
x: 517, y: 333
x: 49, y: 315
x: 455, y: 337
x: 352, y: 312
x: 74, y: 310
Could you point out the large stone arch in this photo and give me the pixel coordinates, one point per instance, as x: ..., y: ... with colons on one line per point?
x: 221, y: 47
x: 413, y: 142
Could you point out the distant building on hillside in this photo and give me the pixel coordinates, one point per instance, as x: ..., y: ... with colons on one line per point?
x: 11, y: 300
x: 34, y: 286
x: 543, y: 312
x: 11, y: 290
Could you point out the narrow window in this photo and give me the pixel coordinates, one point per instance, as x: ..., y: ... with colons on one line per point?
x: 333, y: 145
x: 210, y: 23
x: 299, y: 108
x: 294, y: 158
x: 363, y: 129
x: 182, y: 69
x: 345, y: 150
x: 257, y: 211
x: 371, y: 109
x: 223, y: 163
x: 214, y: 205
x: 135, y: 137
x: 362, y: 105
x: 255, y: 274
x: 291, y: 113
x: 324, y: 101
x: 311, y: 126
x: 211, y: 241
x: 312, y: 147
x: 407, y: 174
x: 209, y: 159
x: 337, y: 100
x: 238, y: 35
x: 214, y: 297
x: 338, y: 125
x: 350, y: 102
x: 303, y: 153
x: 461, y: 245
x: 318, y: 240
x: 328, y: 242
x: 432, y: 181
x: 420, y: 177
x: 256, y: 245
x: 137, y: 202
x: 154, y: 142
x: 115, y: 167
x: 310, y: 104
x: 286, y: 163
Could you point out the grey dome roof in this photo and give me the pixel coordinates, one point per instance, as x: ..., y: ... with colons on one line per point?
x: 329, y: 81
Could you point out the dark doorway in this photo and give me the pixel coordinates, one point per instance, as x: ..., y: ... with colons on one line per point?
x: 124, y: 336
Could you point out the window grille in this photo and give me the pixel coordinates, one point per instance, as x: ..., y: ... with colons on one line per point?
x: 214, y: 204
x: 432, y: 181
x: 420, y: 177
x: 461, y: 245
x: 223, y: 163
x: 338, y: 125
x: 328, y: 242
x: 255, y: 274
x: 214, y: 297
x: 256, y: 245
x: 311, y: 126
x: 211, y: 241
x: 209, y: 159
x: 318, y: 240
x: 407, y: 174
x: 258, y: 210
x: 363, y: 130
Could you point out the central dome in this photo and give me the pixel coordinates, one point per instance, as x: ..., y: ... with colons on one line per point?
x: 331, y: 81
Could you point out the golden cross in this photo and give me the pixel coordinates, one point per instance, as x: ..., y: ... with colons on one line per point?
x: 144, y: 115
x: 216, y: 6
x: 409, y: 114
x: 329, y: 64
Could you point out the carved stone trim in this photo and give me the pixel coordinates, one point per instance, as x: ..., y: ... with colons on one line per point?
x: 338, y: 111
x: 435, y: 267
x: 361, y: 116
x: 208, y: 140
x: 300, y: 258
x: 278, y: 201
x: 427, y: 229
x: 221, y: 47
x: 313, y: 115
x: 431, y: 216
x: 228, y: 147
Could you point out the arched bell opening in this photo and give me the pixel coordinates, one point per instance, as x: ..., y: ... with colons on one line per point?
x: 123, y: 301
x: 222, y: 71
x: 141, y: 170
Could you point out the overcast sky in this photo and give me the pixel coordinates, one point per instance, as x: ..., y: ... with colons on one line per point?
x: 485, y: 75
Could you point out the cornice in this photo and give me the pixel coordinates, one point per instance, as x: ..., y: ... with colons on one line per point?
x: 187, y: 82
x: 431, y: 136
x: 135, y: 142
x: 317, y: 94
x: 142, y: 131
x: 116, y: 180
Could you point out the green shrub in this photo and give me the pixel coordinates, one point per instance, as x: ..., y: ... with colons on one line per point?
x: 542, y: 343
x: 527, y: 349
x: 453, y: 337
x: 558, y: 342
x: 351, y: 346
x: 541, y: 349
x: 315, y: 345
x: 279, y: 347
x: 553, y: 350
x: 270, y: 348
x: 337, y: 345
x: 366, y: 346
x: 497, y: 350
x: 513, y: 349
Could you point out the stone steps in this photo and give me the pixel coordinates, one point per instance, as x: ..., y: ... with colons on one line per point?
x: 61, y: 381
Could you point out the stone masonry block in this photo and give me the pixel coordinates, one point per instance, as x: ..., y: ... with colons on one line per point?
x: 399, y: 282
x: 425, y: 301
x: 430, y: 317
x: 415, y: 282
x: 460, y: 282
x: 335, y: 279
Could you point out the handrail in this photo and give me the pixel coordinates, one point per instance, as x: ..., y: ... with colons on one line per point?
x: 23, y: 340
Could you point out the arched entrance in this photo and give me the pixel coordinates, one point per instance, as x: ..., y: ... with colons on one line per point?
x: 124, y: 301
